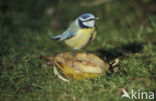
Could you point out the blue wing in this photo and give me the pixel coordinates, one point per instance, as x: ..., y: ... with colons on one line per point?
x: 67, y: 35
x: 64, y: 36
x: 70, y: 32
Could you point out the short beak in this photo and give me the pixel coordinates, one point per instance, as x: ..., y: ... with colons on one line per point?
x: 97, y: 18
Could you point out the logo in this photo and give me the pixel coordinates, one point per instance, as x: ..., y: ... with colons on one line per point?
x: 138, y: 94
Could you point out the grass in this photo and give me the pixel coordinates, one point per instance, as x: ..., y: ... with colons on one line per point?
x: 127, y: 30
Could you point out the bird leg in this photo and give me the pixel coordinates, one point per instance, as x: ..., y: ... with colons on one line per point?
x: 73, y: 53
x: 86, y: 51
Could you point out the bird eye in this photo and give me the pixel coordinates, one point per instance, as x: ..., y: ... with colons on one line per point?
x: 90, y: 19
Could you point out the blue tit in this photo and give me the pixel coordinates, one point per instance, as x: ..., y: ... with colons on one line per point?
x: 80, y: 33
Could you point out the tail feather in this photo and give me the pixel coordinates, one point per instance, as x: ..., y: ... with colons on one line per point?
x: 56, y: 37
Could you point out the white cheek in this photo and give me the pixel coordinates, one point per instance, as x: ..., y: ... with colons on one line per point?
x: 89, y: 23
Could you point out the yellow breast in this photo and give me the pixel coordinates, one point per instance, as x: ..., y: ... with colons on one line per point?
x: 82, y: 38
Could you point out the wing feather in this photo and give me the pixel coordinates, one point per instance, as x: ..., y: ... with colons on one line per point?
x: 69, y: 33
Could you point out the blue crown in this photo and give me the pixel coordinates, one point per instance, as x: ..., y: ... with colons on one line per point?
x: 86, y: 15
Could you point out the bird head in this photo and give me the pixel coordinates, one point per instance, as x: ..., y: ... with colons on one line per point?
x: 86, y: 20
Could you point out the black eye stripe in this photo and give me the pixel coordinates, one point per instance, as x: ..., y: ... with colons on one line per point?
x: 89, y: 20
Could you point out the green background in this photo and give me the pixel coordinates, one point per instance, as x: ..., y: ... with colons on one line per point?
x: 127, y: 31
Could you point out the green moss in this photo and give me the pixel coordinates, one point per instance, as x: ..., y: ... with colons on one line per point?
x: 126, y: 31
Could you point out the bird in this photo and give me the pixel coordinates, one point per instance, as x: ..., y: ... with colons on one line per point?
x: 80, y: 32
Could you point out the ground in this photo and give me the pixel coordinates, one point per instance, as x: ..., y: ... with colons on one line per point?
x: 126, y: 30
